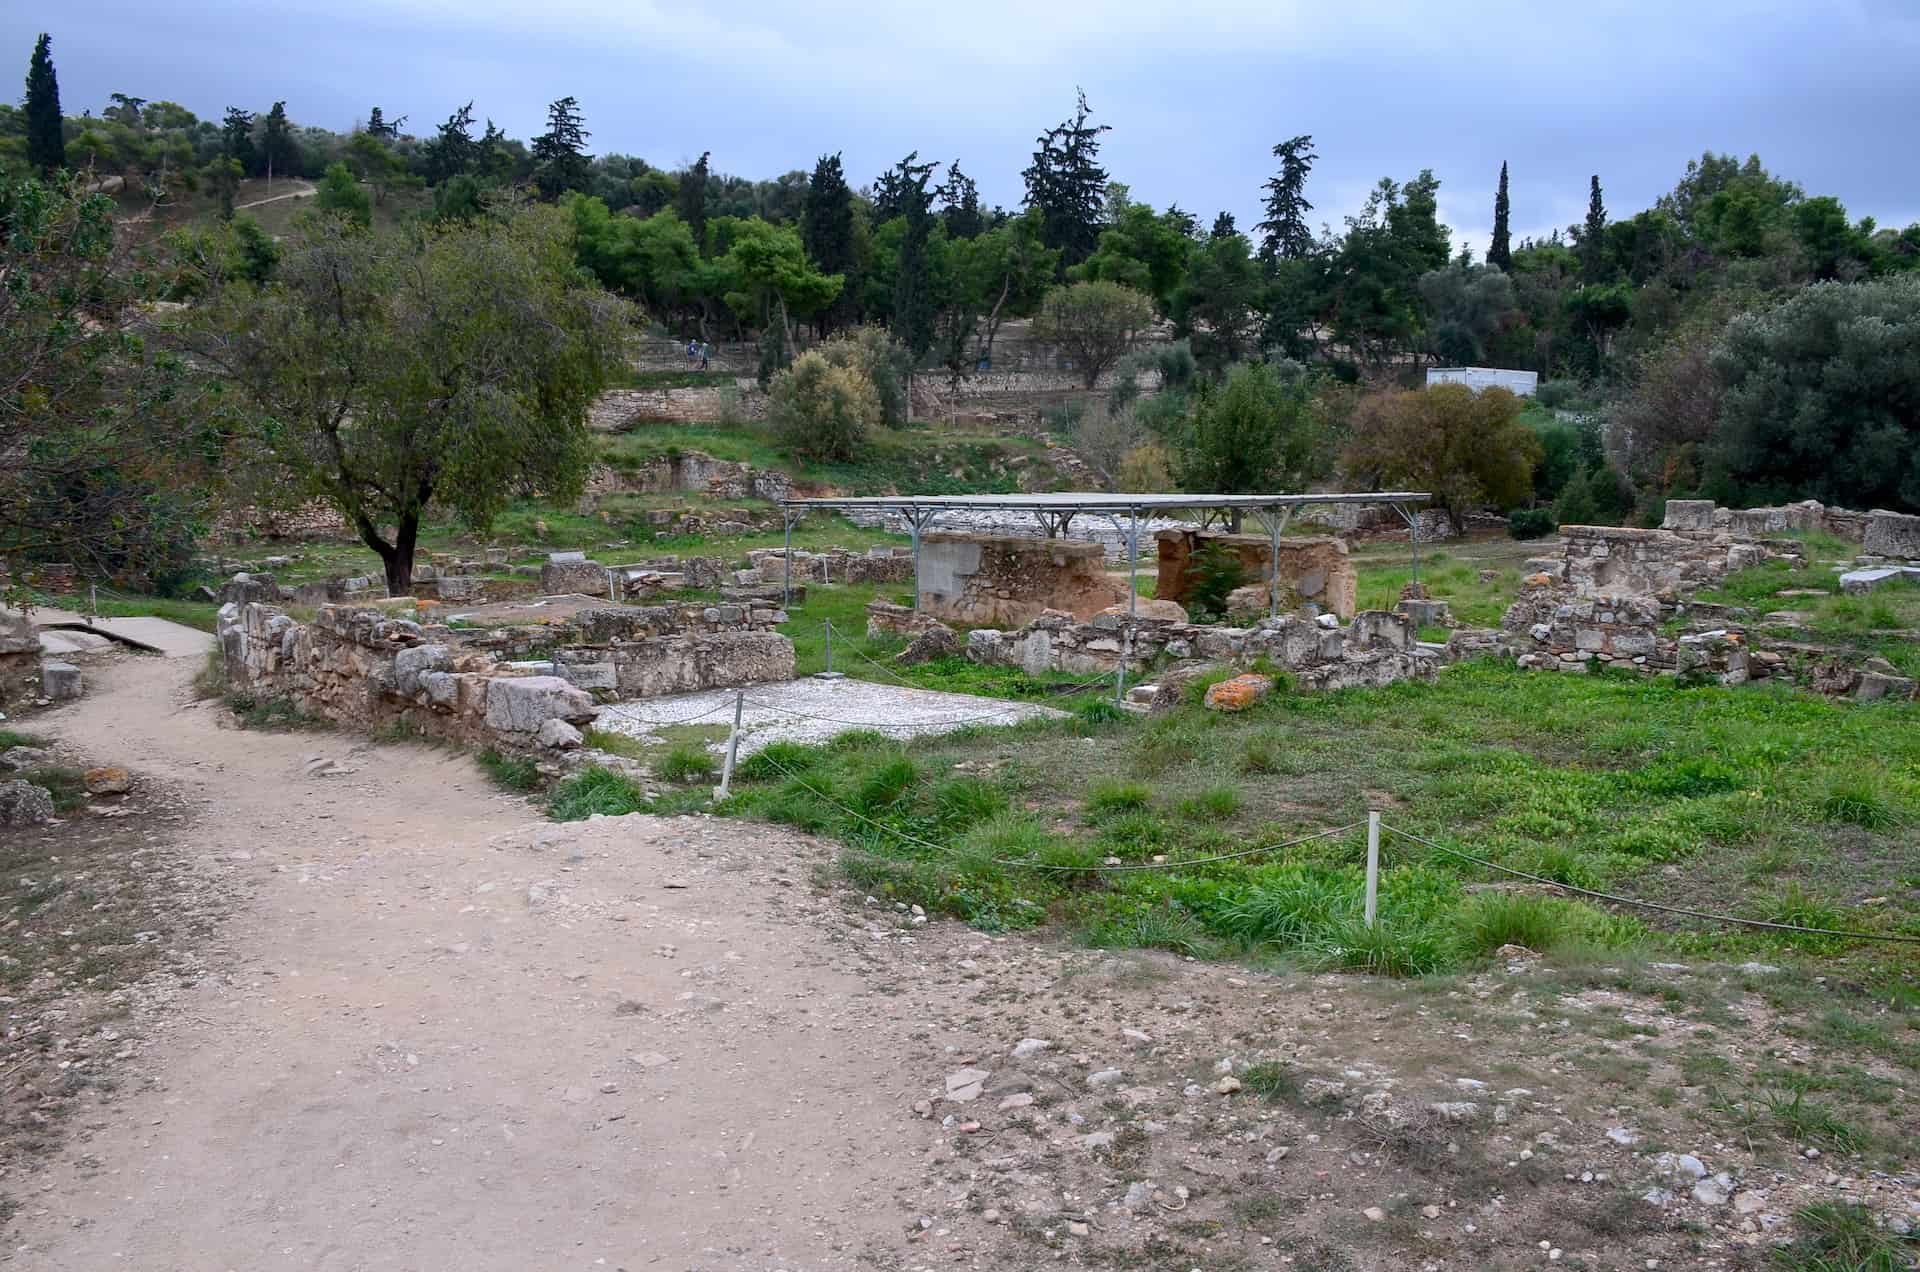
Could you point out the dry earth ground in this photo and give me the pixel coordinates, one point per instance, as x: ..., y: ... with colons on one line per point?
x: 433, y: 1031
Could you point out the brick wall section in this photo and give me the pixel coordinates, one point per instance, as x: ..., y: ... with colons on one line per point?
x: 1313, y: 570
x: 1003, y: 581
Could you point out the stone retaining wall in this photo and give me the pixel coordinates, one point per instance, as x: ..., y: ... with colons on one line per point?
x: 998, y: 580
x: 19, y: 660
x: 1376, y: 648
x: 618, y: 410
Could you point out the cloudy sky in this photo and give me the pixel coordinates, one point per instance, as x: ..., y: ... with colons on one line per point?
x: 1827, y: 91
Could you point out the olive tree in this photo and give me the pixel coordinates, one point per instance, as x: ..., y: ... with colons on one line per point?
x: 1468, y: 448
x: 1092, y: 323
x: 393, y: 374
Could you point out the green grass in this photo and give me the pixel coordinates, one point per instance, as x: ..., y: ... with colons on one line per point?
x: 67, y: 786
x: 691, y: 378
x: 10, y: 739
x: 596, y: 790
x: 1843, y: 1237
x: 686, y: 762
x: 509, y: 772
x: 1447, y: 578
x: 274, y: 714
x: 1637, y: 786
x: 197, y: 614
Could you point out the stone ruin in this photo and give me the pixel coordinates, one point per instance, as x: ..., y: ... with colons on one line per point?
x: 1618, y: 597
x: 1005, y: 581
x: 520, y: 689
x: 1313, y: 571
x: 20, y: 669
x: 1376, y: 648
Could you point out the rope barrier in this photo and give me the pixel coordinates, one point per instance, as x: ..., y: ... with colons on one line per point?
x: 1652, y: 905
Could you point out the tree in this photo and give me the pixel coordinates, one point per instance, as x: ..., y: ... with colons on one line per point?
x: 559, y: 158
x: 1010, y: 268
x: 223, y: 175
x: 1141, y: 249
x: 278, y: 150
x: 1285, y: 235
x: 1470, y: 449
x: 1094, y: 324
x: 1255, y: 434
x: 1216, y: 304
x: 775, y: 279
x: 1592, y: 243
x: 46, y: 148
x: 1821, y: 399
x: 1468, y: 305
x: 1222, y: 226
x: 826, y: 229
x: 1500, y: 250
x: 691, y: 200
x: 376, y: 165
x: 125, y: 109
x: 93, y: 421
x: 960, y: 195
x: 452, y: 151
x: 1067, y: 184
x: 341, y: 195
x: 822, y: 411
x: 383, y: 374
x: 236, y: 138
x: 382, y: 129
x: 913, y: 299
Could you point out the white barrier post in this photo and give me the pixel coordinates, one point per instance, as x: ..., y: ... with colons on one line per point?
x: 1373, y: 865
x: 733, y: 742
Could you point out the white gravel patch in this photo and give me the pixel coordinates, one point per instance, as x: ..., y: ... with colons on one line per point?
x: 812, y: 710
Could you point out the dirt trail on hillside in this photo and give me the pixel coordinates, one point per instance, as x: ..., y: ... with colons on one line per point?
x: 444, y: 1034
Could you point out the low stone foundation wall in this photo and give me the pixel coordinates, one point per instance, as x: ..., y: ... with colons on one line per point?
x: 1001, y: 581
x: 1312, y: 571
x: 618, y: 410
x: 1376, y: 648
x: 835, y: 565
x: 515, y: 688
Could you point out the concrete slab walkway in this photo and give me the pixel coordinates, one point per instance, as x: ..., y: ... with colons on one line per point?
x: 812, y: 710
x: 160, y: 635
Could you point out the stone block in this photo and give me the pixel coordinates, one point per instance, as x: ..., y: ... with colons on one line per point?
x: 412, y: 663
x: 1238, y: 693
x: 522, y: 704
x: 1860, y: 582
x: 1688, y: 514
x: 18, y: 635
x: 59, y: 681
x: 577, y: 574
x: 558, y: 735
x: 24, y: 804
x: 459, y: 588
x: 1892, y: 534
x: 590, y: 676
x: 1875, y: 684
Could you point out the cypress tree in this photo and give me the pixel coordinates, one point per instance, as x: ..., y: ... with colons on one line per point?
x: 559, y: 161
x: 826, y: 230
x: 1500, y: 251
x: 691, y: 201
x: 46, y: 147
x: 913, y: 285
x: 1593, y: 236
x: 1285, y: 234
x: 1066, y: 182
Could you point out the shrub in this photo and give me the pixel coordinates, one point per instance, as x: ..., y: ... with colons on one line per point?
x: 1531, y: 523
x: 1215, y: 572
x: 822, y: 411
x: 877, y: 355
x: 1467, y: 448
x: 1146, y: 468
x: 1558, y: 395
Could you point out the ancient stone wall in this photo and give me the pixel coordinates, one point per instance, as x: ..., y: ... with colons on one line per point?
x: 1312, y: 571
x: 1376, y: 648
x: 1001, y: 581
x: 618, y: 410
x: 835, y: 565
x: 516, y: 688
x: 19, y: 660
x: 694, y: 472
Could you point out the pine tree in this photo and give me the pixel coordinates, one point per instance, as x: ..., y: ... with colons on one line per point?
x: 1223, y: 226
x: 379, y: 126
x: 961, y: 195
x: 913, y: 308
x: 1593, y: 236
x: 46, y: 145
x: 1067, y: 184
x: 279, y: 149
x: 691, y: 200
x: 559, y: 163
x: 236, y: 137
x: 451, y: 153
x: 1285, y: 235
x: 826, y: 230
x: 1500, y: 250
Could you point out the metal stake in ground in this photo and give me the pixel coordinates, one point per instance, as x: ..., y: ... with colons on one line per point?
x: 1373, y: 865
x: 733, y: 742
x: 829, y: 673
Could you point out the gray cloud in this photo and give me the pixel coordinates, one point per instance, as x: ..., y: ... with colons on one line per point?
x: 1196, y: 94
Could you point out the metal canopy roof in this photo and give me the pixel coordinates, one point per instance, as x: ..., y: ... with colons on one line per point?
x: 1095, y: 501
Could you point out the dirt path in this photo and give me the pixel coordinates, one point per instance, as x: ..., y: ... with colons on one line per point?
x: 444, y: 1034
x: 301, y: 190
